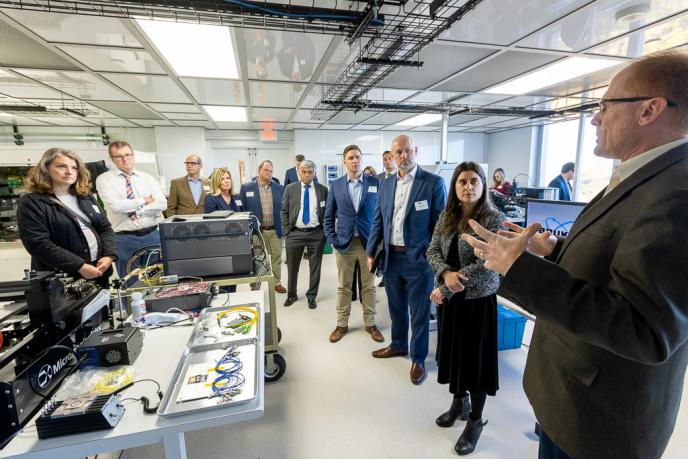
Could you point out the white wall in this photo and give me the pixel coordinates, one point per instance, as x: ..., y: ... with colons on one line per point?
x: 174, y: 145
x: 514, y: 151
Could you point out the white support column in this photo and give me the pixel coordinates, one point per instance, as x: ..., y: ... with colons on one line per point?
x: 175, y: 446
x: 443, y: 139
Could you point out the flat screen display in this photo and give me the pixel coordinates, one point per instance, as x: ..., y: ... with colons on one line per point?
x: 554, y: 216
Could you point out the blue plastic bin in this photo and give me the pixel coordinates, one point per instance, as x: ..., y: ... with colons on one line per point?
x: 510, y: 327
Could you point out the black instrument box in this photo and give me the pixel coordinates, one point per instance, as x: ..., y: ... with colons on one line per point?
x: 107, y: 348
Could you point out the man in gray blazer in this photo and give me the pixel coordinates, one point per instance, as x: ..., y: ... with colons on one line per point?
x: 303, y: 209
x: 608, y: 355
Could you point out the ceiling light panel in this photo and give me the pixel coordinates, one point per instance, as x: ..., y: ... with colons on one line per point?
x: 149, y: 88
x: 495, y: 70
x: 421, y: 120
x: 185, y: 116
x: 67, y: 28
x: 114, y: 59
x: 81, y: 85
x: 217, y: 92
x: 194, y: 50
x: 226, y: 114
x: 558, y: 72
x: 600, y: 21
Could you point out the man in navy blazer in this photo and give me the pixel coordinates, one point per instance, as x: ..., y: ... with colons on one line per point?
x: 263, y: 198
x: 348, y: 218
x: 292, y: 174
x: 408, y: 207
x: 563, y: 181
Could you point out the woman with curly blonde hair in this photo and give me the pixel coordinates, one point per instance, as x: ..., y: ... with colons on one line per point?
x: 61, y: 224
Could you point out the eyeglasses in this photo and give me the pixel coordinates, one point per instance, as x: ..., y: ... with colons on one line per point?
x: 121, y: 157
x: 191, y: 163
x: 603, y: 102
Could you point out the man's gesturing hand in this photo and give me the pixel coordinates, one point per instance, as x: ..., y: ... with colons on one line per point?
x: 499, y: 252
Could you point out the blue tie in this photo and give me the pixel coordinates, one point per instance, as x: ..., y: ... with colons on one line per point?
x: 306, y: 205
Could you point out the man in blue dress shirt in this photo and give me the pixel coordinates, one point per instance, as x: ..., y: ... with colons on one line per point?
x: 348, y: 217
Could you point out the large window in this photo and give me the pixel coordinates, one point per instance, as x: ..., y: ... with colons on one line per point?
x: 559, y: 142
x: 595, y: 171
x: 559, y: 145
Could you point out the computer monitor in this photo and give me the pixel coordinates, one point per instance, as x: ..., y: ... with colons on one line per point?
x: 554, y: 216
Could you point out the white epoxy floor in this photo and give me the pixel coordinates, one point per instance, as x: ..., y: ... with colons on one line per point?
x: 336, y: 401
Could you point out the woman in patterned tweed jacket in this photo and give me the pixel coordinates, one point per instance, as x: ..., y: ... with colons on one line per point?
x: 465, y: 294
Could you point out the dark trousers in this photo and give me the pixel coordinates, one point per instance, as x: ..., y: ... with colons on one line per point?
x: 127, y: 244
x: 295, y: 242
x: 408, y: 286
x: 549, y: 450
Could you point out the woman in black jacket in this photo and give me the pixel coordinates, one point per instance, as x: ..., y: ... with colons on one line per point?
x: 61, y: 224
x: 465, y: 294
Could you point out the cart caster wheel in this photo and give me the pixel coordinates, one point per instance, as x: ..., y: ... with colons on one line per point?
x: 275, y: 366
x: 279, y: 335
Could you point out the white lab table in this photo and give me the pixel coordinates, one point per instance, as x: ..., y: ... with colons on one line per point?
x: 161, y: 352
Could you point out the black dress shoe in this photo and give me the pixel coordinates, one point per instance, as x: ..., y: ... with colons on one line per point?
x: 312, y: 304
x: 382, y: 283
x: 469, y: 438
x: 289, y: 301
x: 460, y: 408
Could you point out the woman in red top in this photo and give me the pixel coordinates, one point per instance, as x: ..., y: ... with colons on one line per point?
x: 499, y: 181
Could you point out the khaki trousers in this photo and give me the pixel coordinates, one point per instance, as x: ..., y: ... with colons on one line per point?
x: 274, y: 251
x: 345, y: 267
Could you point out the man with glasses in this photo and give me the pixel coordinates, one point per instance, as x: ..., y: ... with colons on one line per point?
x: 134, y: 203
x: 609, y: 350
x: 187, y: 194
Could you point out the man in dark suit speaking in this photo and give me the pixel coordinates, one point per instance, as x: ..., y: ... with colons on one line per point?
x: 303, y: 209
x: 408, y: 206
x: 608, y: 355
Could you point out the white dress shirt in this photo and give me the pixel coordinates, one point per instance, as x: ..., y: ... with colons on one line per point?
x: 112, y: 189
x: 401, y: 198
x: 313, y: 208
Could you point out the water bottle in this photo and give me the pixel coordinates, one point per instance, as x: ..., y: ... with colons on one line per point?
x: 138, y: 306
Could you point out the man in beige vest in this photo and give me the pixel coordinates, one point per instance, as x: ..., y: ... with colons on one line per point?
x: 187, y: 194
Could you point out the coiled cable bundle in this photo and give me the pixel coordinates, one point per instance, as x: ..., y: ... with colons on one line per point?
x: 229, y: 380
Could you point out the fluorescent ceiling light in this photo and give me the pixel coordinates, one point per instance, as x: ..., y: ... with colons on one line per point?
x: 420, y: 120
x: 231, y: 114
x: 565, y: 70
x: 194, y: 50
x: 5, y: 114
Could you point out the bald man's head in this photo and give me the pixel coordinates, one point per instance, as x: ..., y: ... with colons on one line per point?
x: 404, y: 151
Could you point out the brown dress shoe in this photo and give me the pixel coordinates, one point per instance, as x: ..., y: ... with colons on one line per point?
x: 387, y: 352
x: 417, y: 373
x: 375, y: 333
x: 337, y: 334
x: 279, y: 288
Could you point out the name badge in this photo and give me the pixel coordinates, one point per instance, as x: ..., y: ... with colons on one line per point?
x: 421, y: 205
x: 238, y: 202
x: 322, y: 203
x: 249, y: 194
x: 96, y: 208
x: 372, y: 189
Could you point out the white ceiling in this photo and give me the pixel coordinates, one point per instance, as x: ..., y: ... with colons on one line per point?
x: 107, y: 69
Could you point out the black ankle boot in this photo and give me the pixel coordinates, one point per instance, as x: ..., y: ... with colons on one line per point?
x: 469, y: 438
x: 459, y: 409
